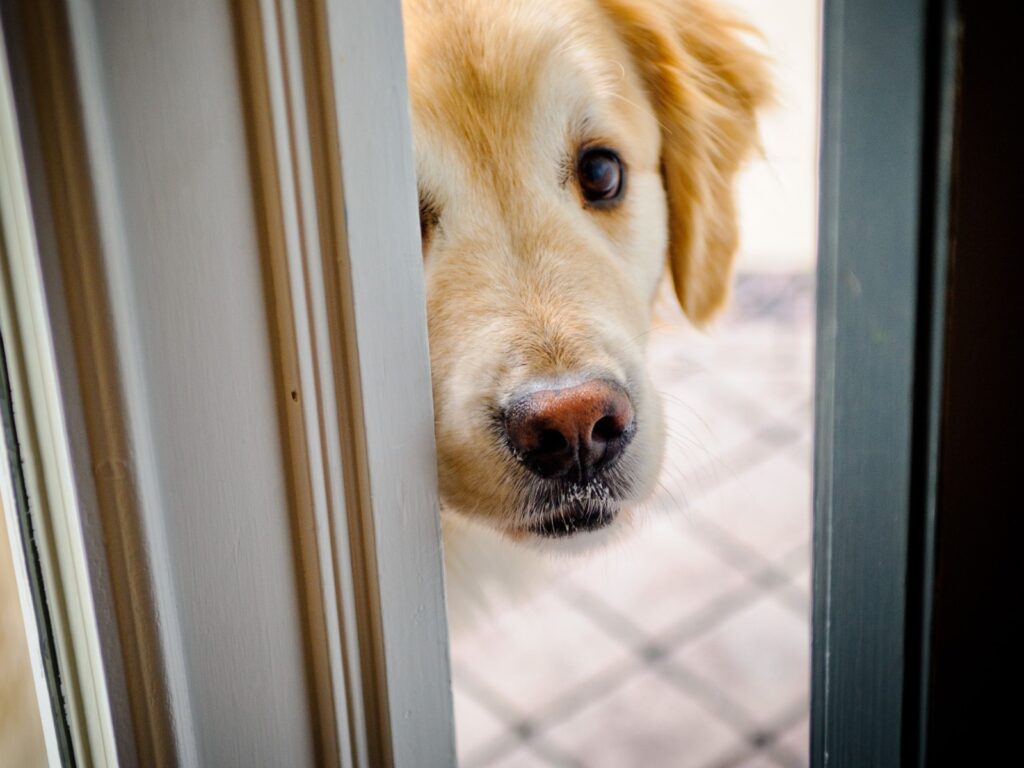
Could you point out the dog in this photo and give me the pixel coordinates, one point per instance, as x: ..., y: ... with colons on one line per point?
x: 571, y: 155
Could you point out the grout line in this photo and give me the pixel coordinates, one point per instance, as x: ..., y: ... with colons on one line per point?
x: 785, y: 756
x: 798, y: 459
x: 529, y: 729
x: 794, y: 600
x: 652, y: 648
x: 733, y: 757
x: 749, y: 453
x: 486, y: 696
x: 734, y: 551
x: 796, y: 558
x: 713, y: 700
x: 710, y: 616
x: 744, y: 459
x: 793, y: 596
x: 497, y: 748
x: 606, y: 616
x: 697, y: 622
x: 546, y: 753
x: 590, y: 692
x: 716, y: 700
x: 751, y: 563
x: 553, y: 754
x: 751, y: 409
x: 763, y: 742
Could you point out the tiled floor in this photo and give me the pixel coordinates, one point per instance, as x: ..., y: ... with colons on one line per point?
x: 688, y: 644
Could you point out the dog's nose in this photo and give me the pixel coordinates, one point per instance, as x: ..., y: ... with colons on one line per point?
x: 571, y: 431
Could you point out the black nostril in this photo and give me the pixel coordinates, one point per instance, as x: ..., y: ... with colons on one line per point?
x: 551, y: 441
x: 607, y: 429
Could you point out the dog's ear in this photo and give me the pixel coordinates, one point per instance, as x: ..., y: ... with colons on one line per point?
x: 706, y: 84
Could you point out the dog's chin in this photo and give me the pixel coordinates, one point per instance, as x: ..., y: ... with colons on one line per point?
x: 572, y: 529
x: 573, y: 519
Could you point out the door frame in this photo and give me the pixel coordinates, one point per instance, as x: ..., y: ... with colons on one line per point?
x: 315, y: 172
x: 887, y: 168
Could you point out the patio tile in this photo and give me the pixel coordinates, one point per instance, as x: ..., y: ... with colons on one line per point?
x: 537, y: 653
x: 802, y: 579
x: 796, y: 740
x: 767, y: 508
x: 522, y: 757
x: 759, y: 658
x: 647, y: 722
x: 756, y: 760
x: 755, y: 353
x: 797, y: 593
x: 475, y: 725
x: 703, y: 424
x: 659, y: 577
x: 777, y: 394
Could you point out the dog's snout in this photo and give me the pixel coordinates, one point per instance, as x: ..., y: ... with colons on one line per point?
x: 572, y: 431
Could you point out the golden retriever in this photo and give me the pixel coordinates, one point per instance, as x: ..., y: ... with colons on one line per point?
x: 569, y: 153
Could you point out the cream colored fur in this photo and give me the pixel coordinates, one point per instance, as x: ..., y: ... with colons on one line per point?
x: 524, y: 280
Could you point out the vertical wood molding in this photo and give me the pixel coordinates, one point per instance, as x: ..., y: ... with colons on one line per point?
x: 264, y: 75
x: 148, y: 738
x: 26, y: 403
x: 381, y: 285
x: 342, y: 417
x: 353, y: 527
x: 296, y: 138
x: 352, y: 658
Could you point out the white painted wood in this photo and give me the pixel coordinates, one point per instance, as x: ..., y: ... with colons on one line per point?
x: 16, y: 238
x: 187, y: 290
x: 47, y: 471
x: 285, y: 92
x: 368, y: 68
x: 258, y: 334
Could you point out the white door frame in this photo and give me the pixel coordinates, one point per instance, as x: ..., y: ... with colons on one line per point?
x: 225, y: 204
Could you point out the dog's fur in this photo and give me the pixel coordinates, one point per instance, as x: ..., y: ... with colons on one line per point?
x: 527, y: 283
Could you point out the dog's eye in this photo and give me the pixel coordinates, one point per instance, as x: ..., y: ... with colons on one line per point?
x: 429, y: 217
x: 601, y: 175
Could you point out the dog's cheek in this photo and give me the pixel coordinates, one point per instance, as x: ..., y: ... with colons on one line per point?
x: 472, y: 467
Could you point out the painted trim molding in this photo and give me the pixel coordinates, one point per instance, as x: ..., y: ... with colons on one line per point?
x: 238, y: 341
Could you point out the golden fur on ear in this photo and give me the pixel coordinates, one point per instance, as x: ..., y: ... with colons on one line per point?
x: 706, y: 85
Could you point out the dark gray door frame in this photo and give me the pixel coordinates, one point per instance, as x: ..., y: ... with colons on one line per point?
x: 886, y: 123
x: 919, y: 353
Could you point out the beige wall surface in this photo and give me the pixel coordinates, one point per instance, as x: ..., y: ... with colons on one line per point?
x: 777, y: 192
x: 21, y: 734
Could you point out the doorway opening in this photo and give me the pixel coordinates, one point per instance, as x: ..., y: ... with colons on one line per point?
x: 687, y: 643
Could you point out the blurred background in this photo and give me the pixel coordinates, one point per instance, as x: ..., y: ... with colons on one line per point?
x: 688, y: 643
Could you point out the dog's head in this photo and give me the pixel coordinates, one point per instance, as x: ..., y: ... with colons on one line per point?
x: 567, y: 152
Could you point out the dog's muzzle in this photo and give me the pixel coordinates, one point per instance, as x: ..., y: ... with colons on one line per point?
x: 570, y: 436
x: 573, y: 433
